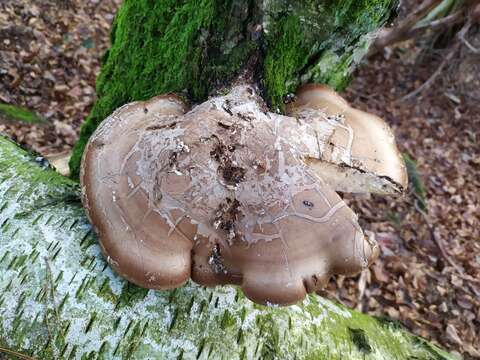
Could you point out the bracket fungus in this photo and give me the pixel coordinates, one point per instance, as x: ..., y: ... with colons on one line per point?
x: 229, y: 193
x: 358, y: 151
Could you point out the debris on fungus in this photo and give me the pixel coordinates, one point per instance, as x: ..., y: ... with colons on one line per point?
x: 227, y: 193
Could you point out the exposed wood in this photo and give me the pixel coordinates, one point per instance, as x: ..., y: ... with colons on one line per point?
x: 60, y: 162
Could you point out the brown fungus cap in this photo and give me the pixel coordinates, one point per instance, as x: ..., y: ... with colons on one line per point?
x: 219, y: 194
x: 359, y: 153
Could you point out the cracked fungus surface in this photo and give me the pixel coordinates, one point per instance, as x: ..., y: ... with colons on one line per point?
x: 220, y: 194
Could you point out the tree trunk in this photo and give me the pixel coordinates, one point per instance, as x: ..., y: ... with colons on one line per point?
x: 60, y: 299
x: 195, y: 47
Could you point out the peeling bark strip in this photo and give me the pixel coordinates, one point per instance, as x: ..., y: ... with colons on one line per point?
x: 86, y: 311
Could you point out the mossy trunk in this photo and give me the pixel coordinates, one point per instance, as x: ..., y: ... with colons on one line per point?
x: 194, y: 47
x: 60, y: 299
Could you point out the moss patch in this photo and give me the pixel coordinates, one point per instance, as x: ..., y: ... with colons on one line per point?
x: 17, y: 113
x: 388, y: 322
x: 169, y: 46
x: 360, y: 340
x: 416, y: 180
x: 317, y: 41
x: 194, y: 47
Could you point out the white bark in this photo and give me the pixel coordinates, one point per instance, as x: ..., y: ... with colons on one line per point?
x: 59, y: 298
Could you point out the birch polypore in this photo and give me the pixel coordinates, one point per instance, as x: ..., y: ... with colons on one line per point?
x: 357, y: 150
x: 220, y: 193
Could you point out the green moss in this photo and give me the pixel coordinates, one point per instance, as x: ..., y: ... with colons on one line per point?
x: 388, y: 322
x: 416, y: 180
x: 287, y: 52
x: 435, y: 352
x: 185, y: 46
x: 360, y: 340
x: 196, y: 46
x: 17, y: 113
x: 317, y: 41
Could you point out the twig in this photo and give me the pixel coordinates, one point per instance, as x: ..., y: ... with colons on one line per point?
x: 16, y: 354
x: 362, y: 283
x: 436, y: 24
x: 419, y: 13
x: 412, y: 26
x: 398, y: 33
x: 468, y: 45
x: 434, y: 76
x: 444, y: 63
x: 456, y: 287
x: 438, y: 241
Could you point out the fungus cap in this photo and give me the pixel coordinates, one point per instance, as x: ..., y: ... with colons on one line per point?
x: 360, y: 153
x: 220, y: 194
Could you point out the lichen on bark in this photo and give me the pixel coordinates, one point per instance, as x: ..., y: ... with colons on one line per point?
x: 195, y: 47
x: 60, y: 299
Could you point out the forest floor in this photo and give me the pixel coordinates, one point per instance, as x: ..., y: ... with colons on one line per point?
x: 428, y: 274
